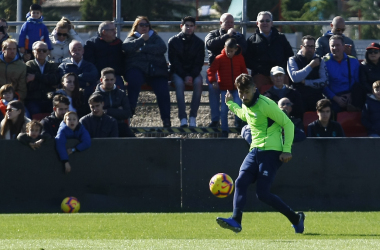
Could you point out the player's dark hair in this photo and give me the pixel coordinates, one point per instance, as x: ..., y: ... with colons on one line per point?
x: 188, y: 19
x: 35, y: 7
x: 231, y: 43
x: 32, y: 123
x: 106, y: 71
x: 323, y: 103
x: 96, y: 97
x: 337, y: 37
x: 244, y: 81
x: 60, y: 99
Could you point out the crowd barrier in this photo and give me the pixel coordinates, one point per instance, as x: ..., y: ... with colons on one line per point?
x: 172, y: 175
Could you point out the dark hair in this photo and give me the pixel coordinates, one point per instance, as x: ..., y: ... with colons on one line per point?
x: 323, y: 103
x: 337, y: 37
x: 57, y: 99
x: 35, y: 7
x: 96, y: 97
x: 308, y: 37
x: 188, y: 19
x: 6, y: 88
x: 32, y: 123
x: 3, y: 20
x: 231, y: 43
x: 14, y: 128
x: 244, y: 81
x: 76, y: 95
x: 106, y: 71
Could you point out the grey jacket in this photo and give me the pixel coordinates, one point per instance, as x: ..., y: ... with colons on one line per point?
x: 140, y: 54
x: 322, y: 46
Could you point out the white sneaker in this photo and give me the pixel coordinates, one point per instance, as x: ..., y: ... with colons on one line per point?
x: 193, y: 122
x: 184, y: 123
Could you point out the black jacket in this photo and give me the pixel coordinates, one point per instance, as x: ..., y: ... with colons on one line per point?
x: 215, y: 40
x: 100, y: 127
x: 113, y: 100
x: 262, y: 54
x: 186, y: 55
x: 293, y: 95
x: 334, y: 129
x: 103, y: 54
x: 368, y: 74
x: 51, y: 125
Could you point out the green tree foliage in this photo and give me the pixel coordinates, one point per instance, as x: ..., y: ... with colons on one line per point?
x: 8, y: 9
x: 157, y: 10
x: 369, y: 11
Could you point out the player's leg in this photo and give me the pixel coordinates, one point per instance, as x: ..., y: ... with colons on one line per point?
x: 247, y: 176
x: 269, y: 164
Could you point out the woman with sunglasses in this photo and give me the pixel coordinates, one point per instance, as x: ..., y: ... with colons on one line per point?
x: 14, y: 121
x: 60, y: 38
x: 146, y: 63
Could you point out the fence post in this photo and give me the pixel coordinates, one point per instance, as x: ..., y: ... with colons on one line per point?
x: 19, y: 15
x: 244, y: 18
x: 118, y: 20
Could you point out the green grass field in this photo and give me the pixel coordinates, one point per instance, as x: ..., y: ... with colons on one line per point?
x: 323, y: 230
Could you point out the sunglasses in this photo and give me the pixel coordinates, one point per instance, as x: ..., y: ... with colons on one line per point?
x: 41, y: 50
x: 11, y: 109
x: 144, y: 24
x: 340, y: 30
x: 265, y: 20
x: 61, y: 34
x: 288, y: 104
x: 373, y: 51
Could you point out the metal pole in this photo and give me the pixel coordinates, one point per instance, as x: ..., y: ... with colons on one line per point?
x: 19, y: 15
x: 118, y: 20
x: 244, y: 18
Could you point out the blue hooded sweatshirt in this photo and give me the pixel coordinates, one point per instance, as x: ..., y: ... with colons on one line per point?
x: 33, y: 30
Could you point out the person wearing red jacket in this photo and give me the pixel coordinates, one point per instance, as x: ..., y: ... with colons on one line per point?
x: 229, y: 65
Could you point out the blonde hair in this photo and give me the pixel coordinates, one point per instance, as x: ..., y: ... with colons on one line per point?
x: 136, y: 23
x: 376, y: 85
x: 7, y: 42
x: 64, y: 23
x: 69, y: 113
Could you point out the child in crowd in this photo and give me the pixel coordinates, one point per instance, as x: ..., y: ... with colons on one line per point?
x: 371, y: 111
x: 7, y: 94
x: 33, y: 30
x: 229, y: 65
x: 70, y: 128
x: 324, y: 126
x: 33, y: 137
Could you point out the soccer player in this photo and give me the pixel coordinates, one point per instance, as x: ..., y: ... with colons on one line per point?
x: 267, y: 153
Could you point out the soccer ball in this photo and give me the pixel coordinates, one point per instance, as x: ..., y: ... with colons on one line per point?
x: 221, y: 185
x: 70, y: 205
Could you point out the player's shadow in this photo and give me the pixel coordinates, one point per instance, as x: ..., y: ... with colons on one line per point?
x: 348, y: 235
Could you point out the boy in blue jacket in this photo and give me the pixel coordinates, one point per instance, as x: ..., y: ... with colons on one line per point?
x: 70, y: 128
x: 33, y: 30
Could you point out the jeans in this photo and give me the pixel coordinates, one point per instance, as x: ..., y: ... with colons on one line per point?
x: 136, y: 78
x: 196, y: 99
x: 214, y: 100
x: 224, y: 108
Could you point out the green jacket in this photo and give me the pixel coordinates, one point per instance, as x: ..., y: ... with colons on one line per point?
x: 266, y: 121
x: 14, y: 73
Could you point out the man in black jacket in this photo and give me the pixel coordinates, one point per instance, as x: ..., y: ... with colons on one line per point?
x: 98, y: 124
x: 266, y: 48
x: 186, y: 55
x: 51, y: 123
x: 104, y: 50
x: 215, y: 41
x: 116, y: 103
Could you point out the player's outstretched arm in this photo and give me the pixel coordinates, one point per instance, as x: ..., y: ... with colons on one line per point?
x: 285, y: 157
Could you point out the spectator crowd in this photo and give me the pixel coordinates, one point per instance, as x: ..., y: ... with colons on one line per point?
x: 91, y: 87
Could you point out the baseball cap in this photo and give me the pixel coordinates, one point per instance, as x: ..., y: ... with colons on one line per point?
x: 373, y: 46
x: 277, y: 69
